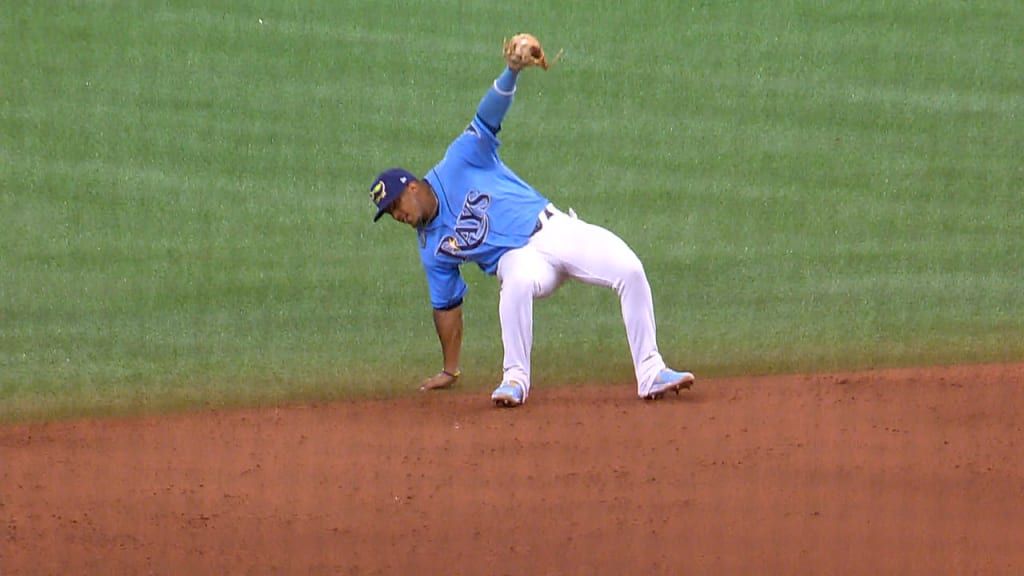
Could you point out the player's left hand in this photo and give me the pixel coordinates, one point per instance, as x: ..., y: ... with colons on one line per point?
x: 523, y: 51
x: 439, y: 381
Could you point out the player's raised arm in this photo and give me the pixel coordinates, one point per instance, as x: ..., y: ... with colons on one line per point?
x: 522, y: 51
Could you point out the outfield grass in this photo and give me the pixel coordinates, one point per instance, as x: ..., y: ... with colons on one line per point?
x: 185, y: 217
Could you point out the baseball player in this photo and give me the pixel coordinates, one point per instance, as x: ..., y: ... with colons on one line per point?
x: 471, y: 207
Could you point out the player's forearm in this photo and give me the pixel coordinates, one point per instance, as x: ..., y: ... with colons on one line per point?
x: 496, y: 102
x: 449, y: 331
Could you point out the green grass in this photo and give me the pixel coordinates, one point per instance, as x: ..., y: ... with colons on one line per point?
x: 184, y: 217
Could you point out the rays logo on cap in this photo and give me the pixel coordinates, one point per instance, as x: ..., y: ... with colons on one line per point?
x: 379, y: 192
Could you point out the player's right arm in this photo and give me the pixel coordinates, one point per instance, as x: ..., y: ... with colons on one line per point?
x: 447, y: 290
x: 449, y: 331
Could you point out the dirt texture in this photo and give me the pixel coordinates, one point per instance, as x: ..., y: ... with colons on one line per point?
x: 911, y: 471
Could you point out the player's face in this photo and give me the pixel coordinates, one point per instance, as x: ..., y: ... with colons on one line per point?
x: 409, y: 208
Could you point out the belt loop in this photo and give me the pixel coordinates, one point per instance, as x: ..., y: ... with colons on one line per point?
x: 543, y: 217
x: 547, y: 212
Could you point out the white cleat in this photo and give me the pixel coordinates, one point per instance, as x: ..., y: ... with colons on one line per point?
x: 667, y: 380
x: 509, y: 394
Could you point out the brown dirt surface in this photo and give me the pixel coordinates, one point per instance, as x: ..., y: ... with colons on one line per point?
x: 909, y: 471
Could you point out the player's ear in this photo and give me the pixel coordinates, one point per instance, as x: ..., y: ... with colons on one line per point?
x: 425, y: 187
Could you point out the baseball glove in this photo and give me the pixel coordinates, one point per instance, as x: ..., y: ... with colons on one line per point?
x: 524, y: 50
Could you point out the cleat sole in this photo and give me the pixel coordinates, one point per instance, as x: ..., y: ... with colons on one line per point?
x: 505, y: 402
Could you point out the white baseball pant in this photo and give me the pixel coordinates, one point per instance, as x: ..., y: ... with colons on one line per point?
x: 567, y: 247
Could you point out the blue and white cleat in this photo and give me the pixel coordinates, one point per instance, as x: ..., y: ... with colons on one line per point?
x: 669, y: 380
x: 509, y: 395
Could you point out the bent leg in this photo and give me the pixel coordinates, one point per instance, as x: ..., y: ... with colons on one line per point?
x: 597, y: 256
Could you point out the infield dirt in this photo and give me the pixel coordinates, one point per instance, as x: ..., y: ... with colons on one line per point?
x: 909, y: 471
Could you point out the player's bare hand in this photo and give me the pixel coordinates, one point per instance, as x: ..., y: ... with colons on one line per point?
x: 439, y: 381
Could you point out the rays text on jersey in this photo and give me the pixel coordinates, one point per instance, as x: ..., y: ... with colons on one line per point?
x: 471, y: 226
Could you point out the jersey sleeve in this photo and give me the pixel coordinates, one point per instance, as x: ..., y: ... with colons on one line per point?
x: 477, y: 145
x: 447, y: 288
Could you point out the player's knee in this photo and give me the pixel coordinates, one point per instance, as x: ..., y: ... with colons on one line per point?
x: 517, y: 285
x: 634, y: 270
x: 631, y: 273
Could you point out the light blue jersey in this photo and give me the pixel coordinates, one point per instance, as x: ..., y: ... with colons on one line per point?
x: 485, y: 210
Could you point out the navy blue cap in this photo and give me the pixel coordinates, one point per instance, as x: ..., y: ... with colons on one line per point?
x: 388, y: 186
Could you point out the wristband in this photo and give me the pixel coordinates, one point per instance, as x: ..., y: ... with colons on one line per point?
x: 504, y: 92
x: 455, y: 374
